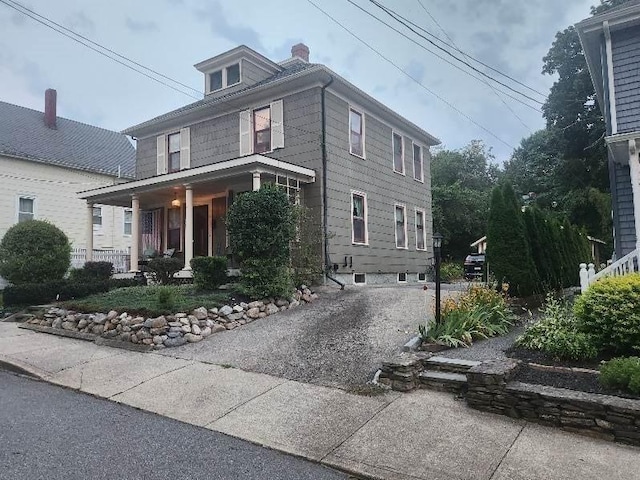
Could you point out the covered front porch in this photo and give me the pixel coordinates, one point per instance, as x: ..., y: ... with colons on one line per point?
x: 182, y: 214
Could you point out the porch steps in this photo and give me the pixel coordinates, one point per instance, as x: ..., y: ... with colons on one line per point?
x: 446, y: 374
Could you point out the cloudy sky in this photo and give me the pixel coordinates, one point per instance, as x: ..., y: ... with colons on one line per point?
x: 170, y: 36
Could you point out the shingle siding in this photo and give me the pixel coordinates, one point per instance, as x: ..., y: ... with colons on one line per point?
x: 623, y: 209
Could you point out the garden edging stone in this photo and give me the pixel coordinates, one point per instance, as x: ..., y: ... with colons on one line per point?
x: 156, y: 333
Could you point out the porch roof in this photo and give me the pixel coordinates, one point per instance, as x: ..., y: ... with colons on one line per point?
x: 116, y: 194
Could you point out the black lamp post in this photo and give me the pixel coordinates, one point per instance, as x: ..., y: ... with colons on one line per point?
x: 437, y: 245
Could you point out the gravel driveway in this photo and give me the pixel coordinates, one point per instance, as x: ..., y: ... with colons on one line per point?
x: 340, y: 340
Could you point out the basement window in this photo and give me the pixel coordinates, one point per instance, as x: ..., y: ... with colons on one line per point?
x: 402, y: 277
x: 422, y: 277
x: 359, y: 279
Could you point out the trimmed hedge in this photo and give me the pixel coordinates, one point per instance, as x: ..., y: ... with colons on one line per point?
x: 610, y: 311
x: 39, y: 293
x: 622, y: 373
x: 92, y: 271
x: 209, y: 272
x: 164, y: 268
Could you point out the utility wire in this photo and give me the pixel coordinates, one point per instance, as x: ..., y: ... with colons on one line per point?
x: 493, y: 69
x: 493, y: 89
x: 388, y: 60
x: 397, y: 18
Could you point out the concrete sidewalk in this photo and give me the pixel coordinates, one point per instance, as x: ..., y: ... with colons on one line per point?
x: 420, y: 435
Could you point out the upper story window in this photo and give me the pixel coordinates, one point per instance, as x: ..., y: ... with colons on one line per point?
x: 398, y: 154
x: 401, y: 226
x: 97, y: 218
x: 262, y: 130
x: 359, y: 233
x: 356, y: 133
x: 225, y: 77
x: 417, y: 163
x: 26, y: 210
x: 174, y: 153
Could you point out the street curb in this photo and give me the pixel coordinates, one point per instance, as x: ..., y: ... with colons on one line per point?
x: 21, y: 368
x: 89, y: 337
x: 132, y: 347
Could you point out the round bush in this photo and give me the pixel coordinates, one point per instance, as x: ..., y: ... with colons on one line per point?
x: 34, y: 251
x: 610, y: 311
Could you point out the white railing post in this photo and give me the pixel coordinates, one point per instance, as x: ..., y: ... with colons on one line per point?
x: 591, y: 270
x: 584, y: 278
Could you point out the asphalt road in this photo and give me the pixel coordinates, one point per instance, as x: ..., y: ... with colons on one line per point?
x: 47, y: 432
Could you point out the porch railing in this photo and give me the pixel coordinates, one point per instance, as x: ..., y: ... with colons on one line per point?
x: 119, y: 258
x: 628, y: 264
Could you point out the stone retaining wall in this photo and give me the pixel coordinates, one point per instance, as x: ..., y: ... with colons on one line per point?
x: 603, y: 416
x: 168, y: 330
x: 403, y: 371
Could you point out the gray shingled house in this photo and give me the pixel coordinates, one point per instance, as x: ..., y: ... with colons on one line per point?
x: 361, y: 168
x: 611, y: 44
x: 45, y: 160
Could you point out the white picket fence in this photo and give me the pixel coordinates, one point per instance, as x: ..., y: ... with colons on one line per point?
x: 628, y: 264
x: 119, y: 258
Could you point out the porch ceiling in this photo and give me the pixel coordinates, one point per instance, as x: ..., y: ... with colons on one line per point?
x: 207, y: 176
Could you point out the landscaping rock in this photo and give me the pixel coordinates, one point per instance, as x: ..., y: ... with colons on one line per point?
x: 97, y: 329
x: 253, y: 312
x: 180, y: 315
x: 68, y: 325
x: 213, y: 311
x: 157, y: 340
x: 57, y: 323
x: 206, y: 331
x: 238, y: 309
x: 195, y: 329
x: 158, y: 322
x: 217, y: 328
x: 82, y: 323
x: 271, y: 309
x: 175, y: 342
x: 235, y: 316
x: 226, y: 310
x: 200, y: 313
x: 99, y: 318
x: 282, y: 303
x: 193, y: 320
x: 112, y: 315
x: 186, y: 329
x: 192, y: 338
x: 294, y: 304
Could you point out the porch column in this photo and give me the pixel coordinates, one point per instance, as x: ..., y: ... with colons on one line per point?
x: 256, y: 181
x: 89, y: 252
x: 634, y: 173
x: 188, y: 227
x: 135, y: 232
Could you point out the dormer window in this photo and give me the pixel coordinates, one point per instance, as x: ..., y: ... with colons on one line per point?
x: 225, y: 77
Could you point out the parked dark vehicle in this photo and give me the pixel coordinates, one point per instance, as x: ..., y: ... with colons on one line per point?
x: 474, y: 266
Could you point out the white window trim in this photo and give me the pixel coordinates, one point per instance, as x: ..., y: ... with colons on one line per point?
x: 393, y: 153
x: 406, y: 277
x: 124, y: 221
x: 359, y: 283
x: 98, y: 228
x: 363, y: 135
x: 29, y: 196
x: 223, y: 69
x: 366, y: 219
x: 418, y: 277
x: 424, y: 228
x: 395, y: 232
x: 413, y: 161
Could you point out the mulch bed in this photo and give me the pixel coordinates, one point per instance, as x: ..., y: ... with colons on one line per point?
x: 534, y: 356
x: 581, y: 381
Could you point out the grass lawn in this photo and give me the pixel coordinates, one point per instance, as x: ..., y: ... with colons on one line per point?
x: 146, y: 300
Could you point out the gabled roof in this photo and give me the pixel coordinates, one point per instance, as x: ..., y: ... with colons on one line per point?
x: 72, y: 144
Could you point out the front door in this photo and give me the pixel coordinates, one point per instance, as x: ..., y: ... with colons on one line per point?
x: 200, y: 231
x: 219, y: 210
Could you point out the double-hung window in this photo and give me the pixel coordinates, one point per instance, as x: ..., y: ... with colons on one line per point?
x: 128, y: 218
x: 398, y: 154
x: 401, y: 226
x: 225, y: 77
x: 421, y: 239
x: 262, y: 130
x: 356, y: 133
x: 97, y: 218
x: 174, y: 153
x: 417, y: 163
x: 359, y: 234
x: 26, y: 210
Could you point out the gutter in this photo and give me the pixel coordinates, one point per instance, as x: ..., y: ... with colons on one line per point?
x: 325, y: 215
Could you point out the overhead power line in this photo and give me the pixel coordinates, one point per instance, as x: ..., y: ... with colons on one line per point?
x: 395, y: 65
x: 495, y: 91
x: 393, y: 15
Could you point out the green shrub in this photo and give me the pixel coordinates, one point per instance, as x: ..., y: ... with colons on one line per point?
x: 610, y: 311
x: 451, y: 271
x: 34, y: 251
x: 163, y: 269
x: 557, y: 334
x: 126, y: 282
x: 39, y: 293
x: 209, y: 272
x: 92, y: 271
x: 306, y: 249
x: 165, y: 298
x: 261, y: 226
x: 622, y: 373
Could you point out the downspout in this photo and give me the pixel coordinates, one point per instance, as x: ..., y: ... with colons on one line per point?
x: 325, y: 215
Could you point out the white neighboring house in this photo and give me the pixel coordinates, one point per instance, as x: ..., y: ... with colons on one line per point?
x: 45, y: 160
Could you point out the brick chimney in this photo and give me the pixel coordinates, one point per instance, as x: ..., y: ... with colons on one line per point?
x: 50, y: 98
x: 301, y: 51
